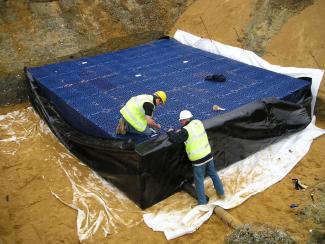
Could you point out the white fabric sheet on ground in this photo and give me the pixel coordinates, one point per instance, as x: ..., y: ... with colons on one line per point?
x: 255, y: 173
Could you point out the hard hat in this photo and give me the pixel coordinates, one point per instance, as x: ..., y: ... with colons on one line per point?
x: 185, y: 114
x: 162, y: 95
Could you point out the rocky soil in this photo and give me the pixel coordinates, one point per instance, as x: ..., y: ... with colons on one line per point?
x: 36, y: 32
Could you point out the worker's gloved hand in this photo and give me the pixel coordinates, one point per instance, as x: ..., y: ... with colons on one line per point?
x: 170, y: 132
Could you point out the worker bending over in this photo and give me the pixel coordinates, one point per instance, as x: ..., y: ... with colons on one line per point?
x: 198, y: 150
x: 137, y: 114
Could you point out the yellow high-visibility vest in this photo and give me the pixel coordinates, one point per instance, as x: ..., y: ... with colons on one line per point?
x: 197, y: 145
x: 134, y: 113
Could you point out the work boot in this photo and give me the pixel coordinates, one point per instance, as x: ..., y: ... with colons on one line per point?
x: 121, y: 127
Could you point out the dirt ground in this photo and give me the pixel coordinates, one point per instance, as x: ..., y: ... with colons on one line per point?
x: 31, y: 158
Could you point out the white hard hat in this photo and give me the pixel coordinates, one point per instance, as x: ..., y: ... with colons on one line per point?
x: 185, y: 114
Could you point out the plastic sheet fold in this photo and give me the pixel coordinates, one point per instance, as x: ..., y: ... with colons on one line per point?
x: 101, y: 208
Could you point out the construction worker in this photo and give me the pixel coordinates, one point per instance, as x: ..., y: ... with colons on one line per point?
x: 198, y: 150
x: 137, y: 114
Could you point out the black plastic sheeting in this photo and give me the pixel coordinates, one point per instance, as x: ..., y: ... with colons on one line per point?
x: 150, y: 172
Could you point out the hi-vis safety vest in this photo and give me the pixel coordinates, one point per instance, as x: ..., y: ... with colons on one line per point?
x: 134, y: 113
x: 197, y: 144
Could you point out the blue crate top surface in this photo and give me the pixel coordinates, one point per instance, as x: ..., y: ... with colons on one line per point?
x: 89, y: 92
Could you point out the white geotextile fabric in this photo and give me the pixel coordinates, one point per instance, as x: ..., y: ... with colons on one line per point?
x: 253, y: 174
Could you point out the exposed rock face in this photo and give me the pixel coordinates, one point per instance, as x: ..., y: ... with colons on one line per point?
x: 277, y: 29
x: 37, y: 32
x: 268, y: 18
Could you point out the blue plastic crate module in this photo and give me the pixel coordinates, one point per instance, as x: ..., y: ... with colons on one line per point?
x: 81, y: 101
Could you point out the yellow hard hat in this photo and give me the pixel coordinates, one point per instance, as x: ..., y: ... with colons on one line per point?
x: 162, y: 95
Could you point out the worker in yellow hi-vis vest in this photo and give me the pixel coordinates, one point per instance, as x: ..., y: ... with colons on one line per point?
x: 137, y: 114
x: 198, y: 150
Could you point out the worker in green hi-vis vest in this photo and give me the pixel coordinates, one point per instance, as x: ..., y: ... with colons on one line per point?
x: 198, y: 150
x: 137, y: 114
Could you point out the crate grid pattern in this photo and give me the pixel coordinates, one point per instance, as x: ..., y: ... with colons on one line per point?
x: 89, y: 92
